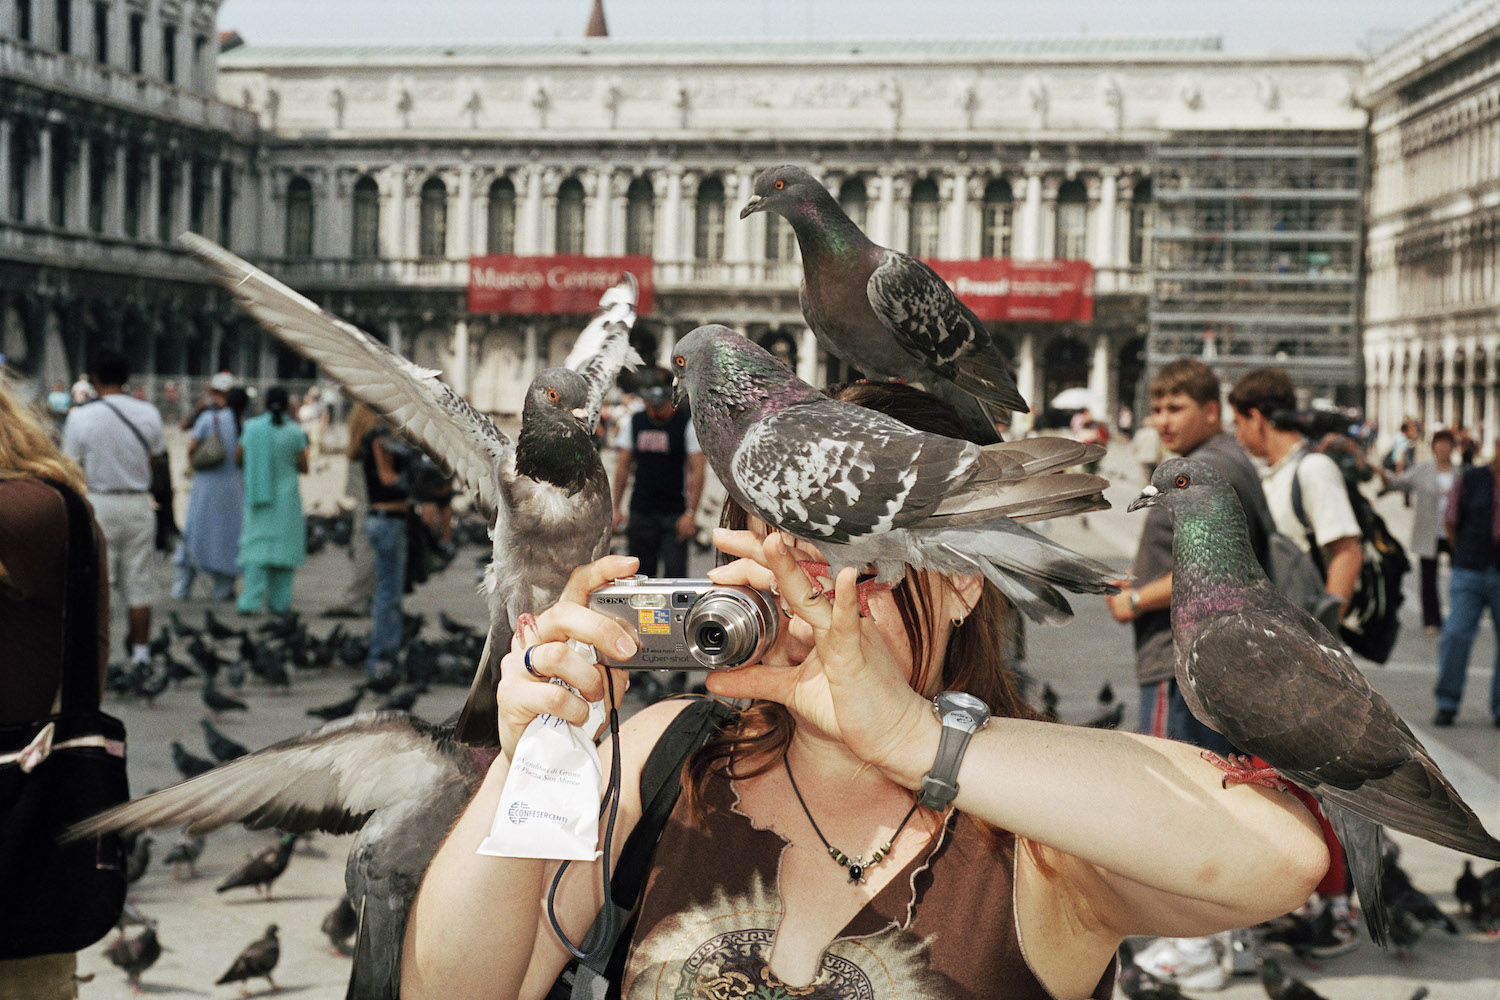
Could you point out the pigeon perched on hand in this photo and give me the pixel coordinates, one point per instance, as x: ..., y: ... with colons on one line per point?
x: 397, y: 780
x: 885, y: 312
x: 867, y: 489
x: 546, y: 492
x: 1267, y: 676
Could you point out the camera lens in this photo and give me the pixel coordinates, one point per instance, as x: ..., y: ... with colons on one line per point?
x: 711, y: 638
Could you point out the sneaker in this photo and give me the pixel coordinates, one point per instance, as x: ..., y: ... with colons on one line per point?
x: 1444, y: 717
x: 1337, y: 937
x: 1189, y: 963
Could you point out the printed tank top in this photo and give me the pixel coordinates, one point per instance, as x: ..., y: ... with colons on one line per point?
x: 943, y: 928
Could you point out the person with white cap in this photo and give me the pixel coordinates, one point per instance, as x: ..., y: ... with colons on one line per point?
x: 211, y: 534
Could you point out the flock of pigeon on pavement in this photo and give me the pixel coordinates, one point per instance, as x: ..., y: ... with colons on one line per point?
x: 866, y: 490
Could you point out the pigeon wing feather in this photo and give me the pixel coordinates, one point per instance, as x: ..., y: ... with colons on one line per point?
x: 412, y: 398
x: 603, y: 347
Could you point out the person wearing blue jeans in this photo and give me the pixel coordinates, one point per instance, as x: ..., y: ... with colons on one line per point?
x: 1475, y: 536
x: 384, y: 459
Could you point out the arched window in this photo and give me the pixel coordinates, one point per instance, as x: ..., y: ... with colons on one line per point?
x: 640, y: 217
x: 925, y: 218
x: 432, y: 222
x: 501, y: 227
x: 855, y: 201
x: 365, y: 244
x: 708, y: 220
x: 1072, y: 222
x: 1141, y: 222
x: 996, y: 215
x: 299, y: 218
x: 570, y: 217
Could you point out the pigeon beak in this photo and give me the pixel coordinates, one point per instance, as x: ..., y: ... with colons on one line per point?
x: 580, y: 413
x: 1146, y: 499
x: 755, y: 204
x: 679, y: 394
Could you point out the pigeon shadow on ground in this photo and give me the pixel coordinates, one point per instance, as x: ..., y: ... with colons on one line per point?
x: 1437, y: 957
x: 278, y: 991
x: 278, y: 898
x: 164, y: 989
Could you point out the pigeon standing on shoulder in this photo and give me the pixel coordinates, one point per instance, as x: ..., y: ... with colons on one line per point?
x: 884, y: 312
x: 1259, y: 670
x: 867, y: 489
x: 546, y: 493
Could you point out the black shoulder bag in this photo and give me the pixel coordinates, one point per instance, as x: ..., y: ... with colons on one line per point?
x: 661, y: 783
x: 59, y: 770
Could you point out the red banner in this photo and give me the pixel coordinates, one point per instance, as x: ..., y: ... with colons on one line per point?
x: 1052, y: 291
x: 565, y: 284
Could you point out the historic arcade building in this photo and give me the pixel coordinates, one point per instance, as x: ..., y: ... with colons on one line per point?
x: 113, y: 141
x: 387, y: 168
x: 1432, y: 302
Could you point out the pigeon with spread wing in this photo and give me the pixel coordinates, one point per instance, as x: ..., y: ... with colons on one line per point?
x: 546, y: 492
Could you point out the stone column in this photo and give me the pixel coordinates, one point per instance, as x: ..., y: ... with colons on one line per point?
x: 6, y: 127
x: 393, y: 336
x: 83, y: 164
x: 114, y: 189
x: 460, y: 185
x: 391, y: 184
x: 459, y: 376
x: 598, y: 210
x: 479, y: 213
x: 738, y: 249
x: 212, y: 195
x: 1047, y: 219
x: 900, y: 187
x: 328, y: 233
x: 39, y: 193
x: 1102, y: 253
x: 529, y: 235
x: 1028, y: 241
x: 669, y: 232
x: 150, y: 202
x: 531, y: 364
x: 182, y: 208
x: 882, y: 225
x: 808, y: 362
x: 1100, y: 375
x: 547, y: 213
x: 619, y: 187
x: 955, y: 191
x: 1026, y: 369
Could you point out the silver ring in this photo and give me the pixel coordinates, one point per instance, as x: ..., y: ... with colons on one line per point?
x: 526, y: 660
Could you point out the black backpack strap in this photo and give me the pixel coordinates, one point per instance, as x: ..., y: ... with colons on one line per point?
x: 80, y: 659
x: 661, y: 783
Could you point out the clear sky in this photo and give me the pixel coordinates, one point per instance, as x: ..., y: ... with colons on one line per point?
x: 1245, y: 25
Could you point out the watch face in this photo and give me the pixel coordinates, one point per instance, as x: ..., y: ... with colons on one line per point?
x: 961, y: 710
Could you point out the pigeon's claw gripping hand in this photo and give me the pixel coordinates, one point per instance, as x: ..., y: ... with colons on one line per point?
x: 819, y: 571
x: 1241, y: 770
x: 525, y: 620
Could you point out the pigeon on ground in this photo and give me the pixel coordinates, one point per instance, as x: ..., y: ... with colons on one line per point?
x: 453, y: 627
x: 222, y: 747
x: 867, y: 489
x: 1109, y: 718
x: 188, y: 765
x: 1282, y: 985
x: 255, y: 962
x: 339, y: 924
x: 404, y: 699
x: 260, y: 870
x: 217, y: 630
x: 884, y: 312
x: 1466, y: 891
x: 322, y: 780
x: 182, y: 628
x: 546, y: 492
x: 135, y: 955
x: 1107, y: 694
x: 217, y: 701
x: 137, y: 858
x: 204, y: 655
x: 1488, y: 917
x: 1262, y: 672
x: 1050, y: 699
x: 184, y: 851
x: 339, y: 709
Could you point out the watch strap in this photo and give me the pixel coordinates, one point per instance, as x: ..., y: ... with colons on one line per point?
x: 940, y: 785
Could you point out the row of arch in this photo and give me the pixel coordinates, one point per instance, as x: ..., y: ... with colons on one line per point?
x: 710, y: 210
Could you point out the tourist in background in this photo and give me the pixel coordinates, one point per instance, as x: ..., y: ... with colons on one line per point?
x: 1430, y: 481
x: 211, y: 536
x: 384, y: 459
x: 273, y: 539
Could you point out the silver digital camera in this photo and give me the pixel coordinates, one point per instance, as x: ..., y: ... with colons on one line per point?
x: 689, y: 624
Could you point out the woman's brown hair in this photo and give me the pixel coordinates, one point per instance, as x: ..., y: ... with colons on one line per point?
x: 978, y: 659
x: 27, y: 450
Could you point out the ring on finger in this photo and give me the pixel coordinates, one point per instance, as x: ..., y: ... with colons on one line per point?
x: 526, y: 661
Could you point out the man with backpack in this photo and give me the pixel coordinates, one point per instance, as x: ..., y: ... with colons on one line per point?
x: 1469, y: 519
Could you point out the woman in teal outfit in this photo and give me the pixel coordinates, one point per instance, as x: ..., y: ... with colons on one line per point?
x: 273, y: 541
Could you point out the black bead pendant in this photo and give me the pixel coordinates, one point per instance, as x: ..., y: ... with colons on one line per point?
x: 856, y: 873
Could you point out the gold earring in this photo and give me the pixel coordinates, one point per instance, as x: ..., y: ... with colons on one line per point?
x: 959, y: 621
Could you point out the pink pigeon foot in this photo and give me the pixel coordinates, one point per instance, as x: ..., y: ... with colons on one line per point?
x: 1241, y: 770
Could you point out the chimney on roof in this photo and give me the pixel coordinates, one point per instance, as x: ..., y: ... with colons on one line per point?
x: 596, y: 26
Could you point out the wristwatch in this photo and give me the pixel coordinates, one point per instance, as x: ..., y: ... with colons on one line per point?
x: 962, y: 715
x: 1134, y: 598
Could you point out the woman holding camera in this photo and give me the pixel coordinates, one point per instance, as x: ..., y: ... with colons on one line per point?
x: 840, y: 839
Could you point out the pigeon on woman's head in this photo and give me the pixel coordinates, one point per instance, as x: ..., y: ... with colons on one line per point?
x: 867, y: 489
x: 1258, y: 669
x: 885, y: 312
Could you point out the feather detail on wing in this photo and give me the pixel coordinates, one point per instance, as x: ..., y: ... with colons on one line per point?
x: 935, y: 327
x: 330, y: 778
x: 422, y: 407
x: 603, y: 348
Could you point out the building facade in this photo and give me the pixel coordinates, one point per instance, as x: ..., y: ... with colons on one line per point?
x: 112, y: 142
x: 1432, y: 305
x: 386, y: 168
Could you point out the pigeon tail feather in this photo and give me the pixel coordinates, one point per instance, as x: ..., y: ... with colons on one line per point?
x: 1416, y: 799
x: 1027, y: 567
x: 1363, y: 845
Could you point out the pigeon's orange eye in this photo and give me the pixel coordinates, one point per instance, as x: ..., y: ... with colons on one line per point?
x: 780, y: 185
x: 1182, y: 482
x: 551, y: 395
x: 679, y: 361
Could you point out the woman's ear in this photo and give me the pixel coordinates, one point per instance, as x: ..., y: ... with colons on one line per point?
x: 961, y: 595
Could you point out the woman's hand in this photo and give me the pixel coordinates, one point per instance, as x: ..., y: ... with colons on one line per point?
x: 837, y: 671
x: 524, y: 695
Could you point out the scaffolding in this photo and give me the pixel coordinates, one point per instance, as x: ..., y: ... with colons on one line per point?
x: 1257, y: 253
